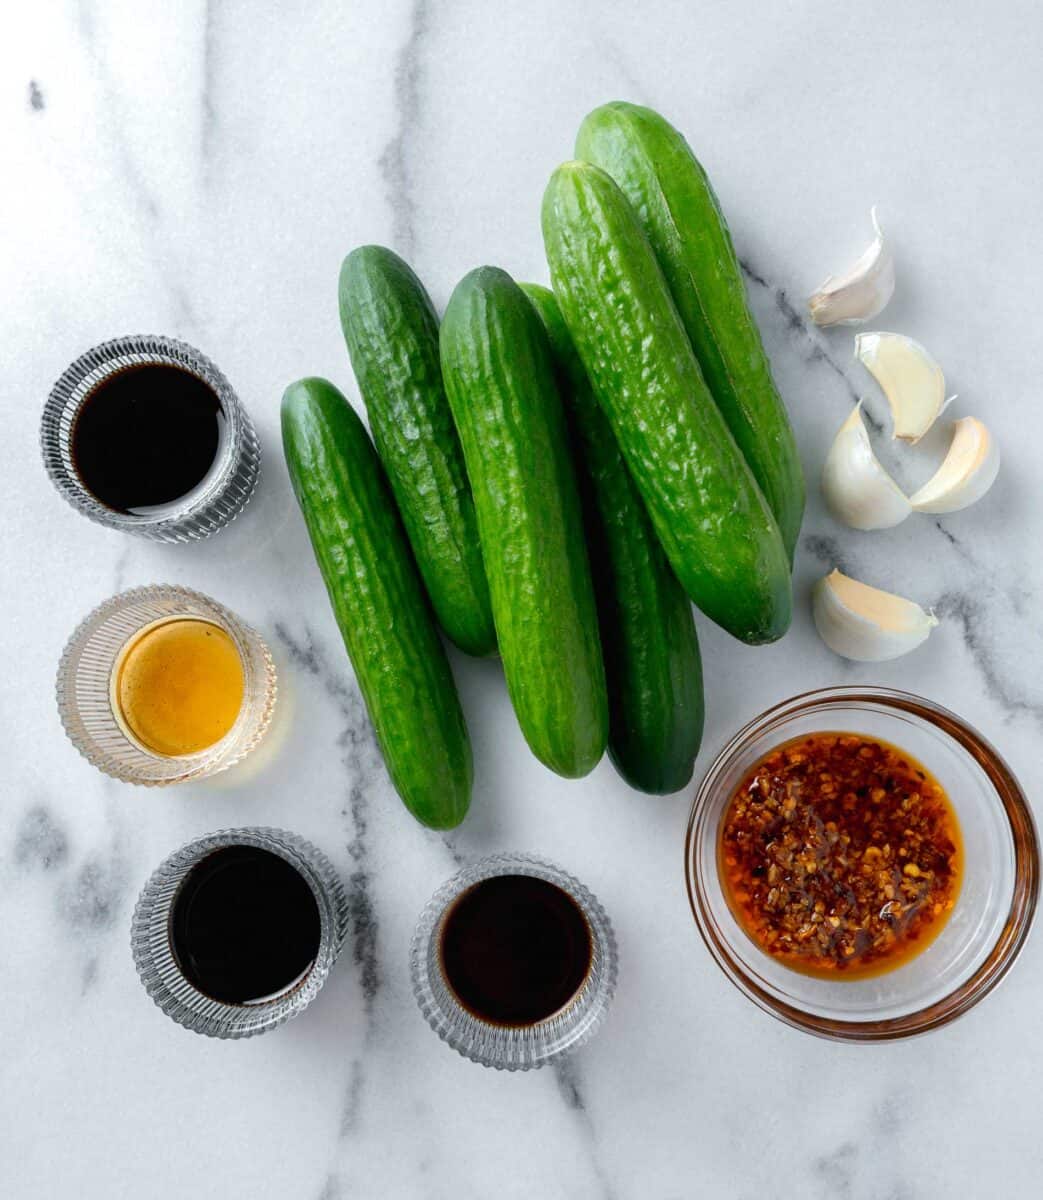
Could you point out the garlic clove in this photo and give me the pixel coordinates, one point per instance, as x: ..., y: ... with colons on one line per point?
x: 968, y: 471
x: 908, y: 376
x: 862, y: 291
x: 856, y: 487
x: 864, y: 623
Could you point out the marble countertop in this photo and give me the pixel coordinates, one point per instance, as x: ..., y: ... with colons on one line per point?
x: 199, y: 169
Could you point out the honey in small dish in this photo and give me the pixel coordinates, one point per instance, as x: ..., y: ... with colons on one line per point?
x: 177, y: 686
x: 840, y: 855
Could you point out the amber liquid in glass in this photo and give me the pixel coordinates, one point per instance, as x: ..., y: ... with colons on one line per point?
x: 178, y: 686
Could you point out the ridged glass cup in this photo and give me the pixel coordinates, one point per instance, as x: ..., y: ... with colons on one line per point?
x: 85, y: 682
x: 979, y: 943
x: 213, y: 503
x: 154, y: 956
x: 508, y: 1047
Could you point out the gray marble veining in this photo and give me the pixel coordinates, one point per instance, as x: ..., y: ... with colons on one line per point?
x: 395, y: 159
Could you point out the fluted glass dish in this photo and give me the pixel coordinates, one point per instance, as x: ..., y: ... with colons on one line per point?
x: 508, y: 1047
x: 989, y: 924
x: 214, y: 502
x: 154, y: 956
x: 85, y: 684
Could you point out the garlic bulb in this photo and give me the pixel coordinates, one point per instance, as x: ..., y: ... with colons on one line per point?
x: 862, y: 291
x: 969, y: 470
x: 909, y: 377
x: 864, y: 623
x: 856, y: 487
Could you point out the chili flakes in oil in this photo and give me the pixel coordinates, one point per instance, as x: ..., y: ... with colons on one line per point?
x: 841, y: 854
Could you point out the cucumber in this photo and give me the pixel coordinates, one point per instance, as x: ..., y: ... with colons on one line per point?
x: 652, y: 663
x: 499, y: 379
x: 707, y: 510
x: 378, y: 600
x: 677, y: 208
x: 391, y: 331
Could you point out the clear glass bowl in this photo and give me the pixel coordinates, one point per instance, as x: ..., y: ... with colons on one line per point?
x: 84, y: 687
x: 228, y: 485
x: 162, y: 977
x: 989, y: 924
x: 512, y: 1048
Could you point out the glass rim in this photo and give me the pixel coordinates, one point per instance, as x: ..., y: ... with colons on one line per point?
x: 1025, y: 893
x: 215, y: 502
x: 153, y: 956
x: 513, y: 1047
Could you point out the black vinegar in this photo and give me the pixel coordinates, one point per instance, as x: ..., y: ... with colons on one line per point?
x: 244, y: 925
x: 515, y: 949
x: 146, y: 437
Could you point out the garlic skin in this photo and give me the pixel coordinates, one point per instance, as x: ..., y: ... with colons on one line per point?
x: 968, y: 471
x: 908, y: 376
x: 855, y: 485
x: 862, y: 291
x: 864, y: 623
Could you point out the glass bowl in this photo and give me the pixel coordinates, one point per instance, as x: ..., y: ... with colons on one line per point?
x: 993, y: 913
x: 216, y: 501
x: 510, y: 1047
x: 85, y: 678
x: 160, y: 973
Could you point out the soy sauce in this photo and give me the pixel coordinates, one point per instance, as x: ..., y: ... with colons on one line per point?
x: 244, y: 926
x: 146, y: 437
x: 515, y: 949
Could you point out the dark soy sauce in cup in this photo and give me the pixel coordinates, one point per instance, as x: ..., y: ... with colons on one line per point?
x: 146, y: 437
x: 244, y: 925
x: 515, y: 949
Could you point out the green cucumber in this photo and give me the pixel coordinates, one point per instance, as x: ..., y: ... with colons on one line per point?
x: 677, y: 208
x: 499, y: 378
x: 652, y: 663
x: 379, y: 602
x: 391, y: 330
x: 707, y: 510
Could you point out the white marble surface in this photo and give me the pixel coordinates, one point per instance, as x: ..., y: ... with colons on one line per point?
x: 199, y: 169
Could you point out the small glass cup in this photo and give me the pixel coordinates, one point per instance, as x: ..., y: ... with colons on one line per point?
x: 507, y: 1047
x: 85, y: 684
x: 211, y: 505
x: 988, y: 926
x: 154, y: 956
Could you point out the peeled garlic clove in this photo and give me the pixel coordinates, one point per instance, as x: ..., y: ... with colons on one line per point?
x: 968, y: 471
x: 857, y: 489
x: 862, y: 291
x: 865, y: 624
x: 908, y: 376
